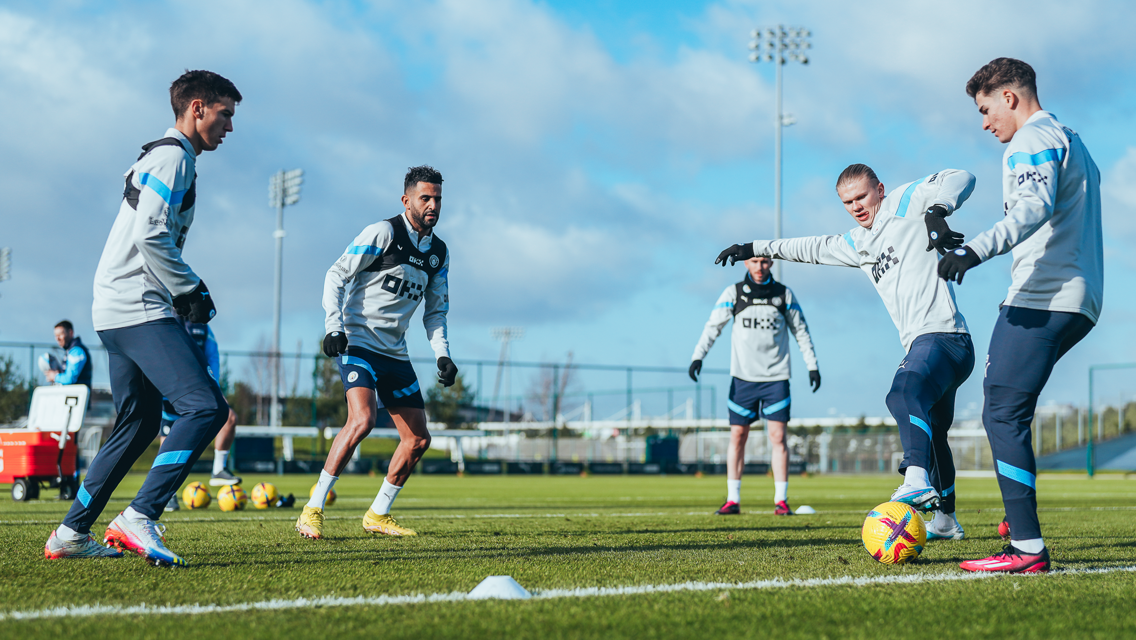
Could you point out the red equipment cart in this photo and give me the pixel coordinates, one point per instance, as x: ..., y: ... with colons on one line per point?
x: 45, y: 450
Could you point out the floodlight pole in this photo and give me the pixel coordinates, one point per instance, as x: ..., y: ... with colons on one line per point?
x: 283, y: 190
x: 777, y: 42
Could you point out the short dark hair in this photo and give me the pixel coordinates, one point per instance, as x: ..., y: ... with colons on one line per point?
x: 999, y: 73
x: 424, y: 173
x: 205, y: 86
x: 66, y: 324
x: 855, y: 172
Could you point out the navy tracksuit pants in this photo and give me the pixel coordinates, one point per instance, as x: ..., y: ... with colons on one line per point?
x: 149, y: 361
x: 922, y: 401
x: 1025, y: 345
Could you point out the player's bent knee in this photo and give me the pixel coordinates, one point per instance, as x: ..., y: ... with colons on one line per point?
x: 418, y: 444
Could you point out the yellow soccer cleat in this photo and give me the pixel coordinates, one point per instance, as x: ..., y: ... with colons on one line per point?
x: 385, y: 524
x: 310, y: 523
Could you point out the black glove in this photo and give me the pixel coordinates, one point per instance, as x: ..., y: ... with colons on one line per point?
x: 197, y: 305
x: 939, y: 235
x: 814, y: 380
x: 334, y: 344
x: 736, y: 253
x: 447, y: 371
x: 953, y: 265
x: 694, y: 370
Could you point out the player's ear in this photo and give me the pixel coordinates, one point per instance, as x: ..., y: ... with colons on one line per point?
x: 880, y: 189
x: 406, y: 201
x: 1010, y: 98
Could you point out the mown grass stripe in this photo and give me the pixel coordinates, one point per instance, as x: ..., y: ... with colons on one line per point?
x: 85, y: 611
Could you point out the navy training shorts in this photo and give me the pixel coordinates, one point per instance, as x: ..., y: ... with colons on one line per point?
x: 751, y: 401
x: 394, y: 380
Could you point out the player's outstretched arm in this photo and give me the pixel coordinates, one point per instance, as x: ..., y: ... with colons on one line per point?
x: 836, y: 251
x: 721, y: 313
x: 937, y: 197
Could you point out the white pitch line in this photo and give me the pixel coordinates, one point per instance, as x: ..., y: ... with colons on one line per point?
x: 86, y: 611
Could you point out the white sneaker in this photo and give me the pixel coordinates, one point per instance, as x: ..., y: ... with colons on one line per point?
x: 922, y: 498
x: 944, y: 527
x: 57, y: 548
x: 144, y: 537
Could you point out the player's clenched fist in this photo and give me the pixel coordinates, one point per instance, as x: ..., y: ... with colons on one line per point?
x: 956, y: 263
x: 334, y: 344
x: 736, y: 253
x: 447, y: 371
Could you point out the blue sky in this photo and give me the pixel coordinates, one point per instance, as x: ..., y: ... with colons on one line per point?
x: 597, y: 157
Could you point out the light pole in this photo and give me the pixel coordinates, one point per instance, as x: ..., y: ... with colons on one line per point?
x: 505, y: 335
x: 778, y: 45
x: 283, y: 190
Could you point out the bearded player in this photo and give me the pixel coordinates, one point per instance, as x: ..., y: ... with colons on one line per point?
x: 893, y: 245
x: 369, y: 296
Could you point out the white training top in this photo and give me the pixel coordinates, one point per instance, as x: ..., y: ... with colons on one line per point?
x: 390, y: 270
x: 759, y: 340
x: 1051, y: 193
x: 141, y: 269
x: 893, y: 253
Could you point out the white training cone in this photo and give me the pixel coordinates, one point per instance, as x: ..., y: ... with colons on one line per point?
x: 805, y: 510
x: 499, y: 587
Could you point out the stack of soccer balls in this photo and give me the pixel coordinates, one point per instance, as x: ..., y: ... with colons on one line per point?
x: 894, y: 533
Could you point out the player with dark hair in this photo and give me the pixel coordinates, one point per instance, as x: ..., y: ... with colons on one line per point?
x: 892, y: 244
x: 77, y: 369
x: 142, y: 285
x: 1052, y: 224
x: 370, y: 295
x: 764, y: 311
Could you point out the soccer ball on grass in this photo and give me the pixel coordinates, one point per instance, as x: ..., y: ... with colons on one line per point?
x: 264, y: 495
x: 196, y: 496
x: 232, y: 498
x: 894, y: 533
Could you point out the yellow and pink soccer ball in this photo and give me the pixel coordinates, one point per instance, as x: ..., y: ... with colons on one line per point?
x: 894, y: 533
x: 196, y: 496
x: 232, y: 498
x: 264, y: 495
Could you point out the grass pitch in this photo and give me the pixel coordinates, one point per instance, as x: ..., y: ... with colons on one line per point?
x: 553, y: 533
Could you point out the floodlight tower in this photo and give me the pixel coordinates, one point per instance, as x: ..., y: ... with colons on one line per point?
x: 778, y: 45
x: 283, y: 190
x: 505, y: 335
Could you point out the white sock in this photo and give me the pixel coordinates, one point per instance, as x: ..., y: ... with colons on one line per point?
x: 780, y: 491
x: 734, y: 490
x: 323, y: 487
x: 916, y: 477
x: 382, y: 504
x: 219, y: 460
x: 67, y: 534
x: 131, y: 514
x: 1031, y: 546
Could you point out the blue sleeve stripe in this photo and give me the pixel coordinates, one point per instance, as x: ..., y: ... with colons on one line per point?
x: 848, y: 239
x: 444, y: 273
x: 172, y: 457
x: 1017, y: 475
x: 1041, y: 157
x: 795, y: 306
x: 724, y: 305
x: 921, y: 424
x: 905, y: 201
x: 740, y: 410
x: 158, y: 187
x: 363, y: 249
x: 777, y: 406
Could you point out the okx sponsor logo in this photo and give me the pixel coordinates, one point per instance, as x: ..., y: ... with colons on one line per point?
x: 403, y: 288
x: 884, y: 261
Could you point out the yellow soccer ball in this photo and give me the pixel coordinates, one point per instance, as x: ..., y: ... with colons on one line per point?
x: 894, y: 533
x: 264, y: 495
x: 196, y: 496
x: 330, y: 495
x: 232, y: 498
